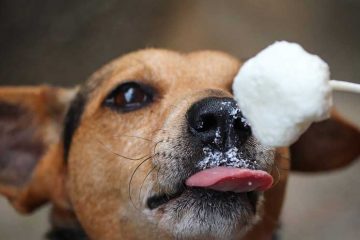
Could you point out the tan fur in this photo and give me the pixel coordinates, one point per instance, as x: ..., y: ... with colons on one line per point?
x: 94, y: 183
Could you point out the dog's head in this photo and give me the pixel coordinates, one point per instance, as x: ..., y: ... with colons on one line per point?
x: 118, y: 150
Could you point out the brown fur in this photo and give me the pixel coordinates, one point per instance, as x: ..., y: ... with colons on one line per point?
x: 92, y: 185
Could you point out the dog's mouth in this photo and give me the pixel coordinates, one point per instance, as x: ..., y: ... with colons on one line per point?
x: 158, y: 200
x: 240, y: 182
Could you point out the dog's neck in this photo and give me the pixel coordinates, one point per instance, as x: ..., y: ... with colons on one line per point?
x: 65, y: 226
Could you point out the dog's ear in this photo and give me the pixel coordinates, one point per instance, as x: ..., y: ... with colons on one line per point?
x: 31, y: 159
x: 327, y: 145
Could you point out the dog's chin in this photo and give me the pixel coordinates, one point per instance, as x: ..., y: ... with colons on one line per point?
x: 197, y: 213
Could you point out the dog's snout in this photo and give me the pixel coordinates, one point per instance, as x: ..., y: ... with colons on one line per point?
x: 218, y: 122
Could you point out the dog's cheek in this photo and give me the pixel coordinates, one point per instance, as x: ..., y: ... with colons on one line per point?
x: 95, y: 186
x: 101, y: 165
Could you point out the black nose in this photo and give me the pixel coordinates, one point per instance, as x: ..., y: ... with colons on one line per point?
x: 218, y: 122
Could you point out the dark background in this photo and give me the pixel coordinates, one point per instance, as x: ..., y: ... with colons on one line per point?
x: 63, y: 42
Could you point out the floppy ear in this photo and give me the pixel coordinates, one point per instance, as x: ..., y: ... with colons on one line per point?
x: 327, y: 145
x: 31, y: 159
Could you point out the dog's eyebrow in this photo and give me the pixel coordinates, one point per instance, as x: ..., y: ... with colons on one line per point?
x: 72, y: 120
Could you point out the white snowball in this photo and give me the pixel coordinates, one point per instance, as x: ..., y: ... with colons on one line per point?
x: 281, y: 91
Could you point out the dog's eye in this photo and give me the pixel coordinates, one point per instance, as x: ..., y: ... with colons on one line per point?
x: 129, y: 96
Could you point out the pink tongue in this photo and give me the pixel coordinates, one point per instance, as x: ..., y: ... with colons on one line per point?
x: 231, y: 179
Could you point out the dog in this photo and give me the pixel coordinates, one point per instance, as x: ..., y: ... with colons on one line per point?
x: 112, y: 156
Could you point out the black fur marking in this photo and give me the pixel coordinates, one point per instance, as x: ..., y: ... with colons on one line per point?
x: 72, y: 121
x: 66, y: 234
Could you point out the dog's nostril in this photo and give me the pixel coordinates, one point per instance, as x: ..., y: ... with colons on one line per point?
x: 207, y: 122
x: 242, y: 129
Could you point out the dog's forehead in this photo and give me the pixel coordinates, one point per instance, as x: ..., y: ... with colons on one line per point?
x: 202, y: 68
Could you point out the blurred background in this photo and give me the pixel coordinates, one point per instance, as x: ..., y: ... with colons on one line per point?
x: 63, y: 42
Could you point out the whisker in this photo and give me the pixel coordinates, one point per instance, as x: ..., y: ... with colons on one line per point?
x: 131, y: 178
x: 278, y: 176
x: 138, y: 137
x: 157, y: 178
x: 142, y: 184
x: 159, y: 129
x: 119, y: 155
x: 156, y: 144
x: 284, y: 157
